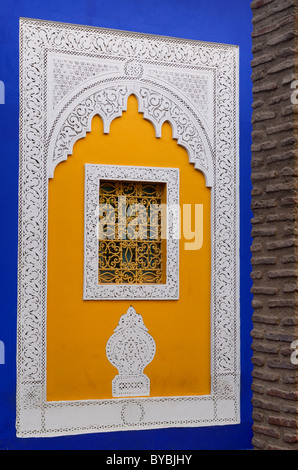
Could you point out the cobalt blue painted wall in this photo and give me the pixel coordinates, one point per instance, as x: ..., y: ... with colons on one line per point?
x: 214, y: 20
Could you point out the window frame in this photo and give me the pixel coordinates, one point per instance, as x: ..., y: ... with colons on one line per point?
x: 164, y: 291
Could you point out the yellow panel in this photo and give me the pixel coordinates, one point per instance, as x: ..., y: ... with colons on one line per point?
x: 77, y: 330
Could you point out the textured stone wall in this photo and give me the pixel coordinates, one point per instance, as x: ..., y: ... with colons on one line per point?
x: 274, y: 223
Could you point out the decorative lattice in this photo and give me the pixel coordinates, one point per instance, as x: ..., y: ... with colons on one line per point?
x: 130, y: 227
x: 130, y: 241
x: 130, y: 349
x: 51, y: 123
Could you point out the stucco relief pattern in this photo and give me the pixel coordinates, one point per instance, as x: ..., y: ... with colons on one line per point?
x: 47, y: 136
x: 92, y: 288
x: 70, y: 73
x: 110, y: 101
x: 130, y: 349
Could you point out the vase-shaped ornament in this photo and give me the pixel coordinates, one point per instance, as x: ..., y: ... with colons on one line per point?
x: 130, y: 349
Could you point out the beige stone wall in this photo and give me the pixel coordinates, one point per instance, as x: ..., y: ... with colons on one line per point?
x: 274, y: 223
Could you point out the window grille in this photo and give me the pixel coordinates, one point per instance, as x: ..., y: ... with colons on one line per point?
x: 131, y: 249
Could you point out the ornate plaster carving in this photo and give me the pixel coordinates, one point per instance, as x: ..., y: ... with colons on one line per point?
x: 109, y: 101
x: 130, y: 349
x: 160, y: 71
x: 92, y: 289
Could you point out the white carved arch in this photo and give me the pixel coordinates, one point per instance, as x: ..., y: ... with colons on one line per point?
x: 109, y: 100
x: 197, y: 78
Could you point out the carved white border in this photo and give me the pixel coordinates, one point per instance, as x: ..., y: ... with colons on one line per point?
x: 92, y: 289
x: 194, y: 86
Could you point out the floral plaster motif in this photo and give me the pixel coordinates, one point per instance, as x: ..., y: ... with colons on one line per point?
x: 192, y: 84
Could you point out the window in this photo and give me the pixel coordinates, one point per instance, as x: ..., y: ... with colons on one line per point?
x: 131, y: 249
x: 131, y: 235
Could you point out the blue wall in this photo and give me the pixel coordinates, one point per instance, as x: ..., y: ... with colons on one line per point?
x: 214, y: 20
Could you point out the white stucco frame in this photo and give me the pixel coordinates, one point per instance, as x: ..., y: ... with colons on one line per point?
x: 169, y: 290
x: 68, y: 74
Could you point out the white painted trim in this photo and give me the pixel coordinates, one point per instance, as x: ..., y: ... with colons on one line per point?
x: 129, y: 337
x: 163, y: 73
x: 92, y: 289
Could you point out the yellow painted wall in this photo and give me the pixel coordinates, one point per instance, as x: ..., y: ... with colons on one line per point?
x: 77, y: 330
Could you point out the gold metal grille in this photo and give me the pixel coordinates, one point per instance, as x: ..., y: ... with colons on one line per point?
x: 131, y: 250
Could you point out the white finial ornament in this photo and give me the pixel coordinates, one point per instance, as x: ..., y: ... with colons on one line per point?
x: 130, y: 349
